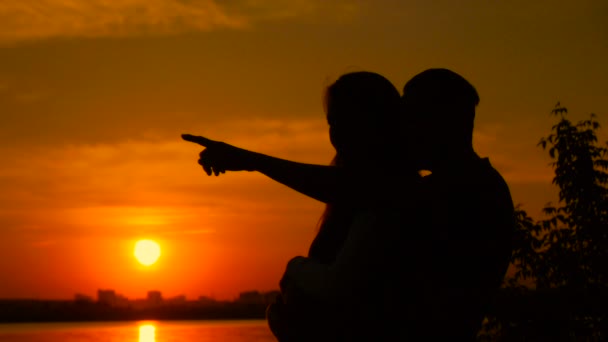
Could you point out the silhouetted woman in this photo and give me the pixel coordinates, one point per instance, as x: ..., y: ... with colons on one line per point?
x: 364, y: 127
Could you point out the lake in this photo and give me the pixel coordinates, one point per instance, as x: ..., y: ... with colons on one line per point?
x: 142, y: 331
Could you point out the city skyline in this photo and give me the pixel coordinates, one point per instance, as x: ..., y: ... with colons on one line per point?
x: 110, y: 305
x: 95, y: 296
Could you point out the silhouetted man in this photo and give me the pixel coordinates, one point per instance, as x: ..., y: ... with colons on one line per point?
x: 462, y: 246
x: 422, y: 257
x: 422, y: 266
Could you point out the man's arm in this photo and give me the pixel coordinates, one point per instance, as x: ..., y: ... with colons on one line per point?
x: 364, y: 250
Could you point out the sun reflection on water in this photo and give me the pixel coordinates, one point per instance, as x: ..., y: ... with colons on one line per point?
x: 147, y: 333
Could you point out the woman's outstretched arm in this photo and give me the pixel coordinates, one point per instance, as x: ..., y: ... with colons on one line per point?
x: 320, y: 182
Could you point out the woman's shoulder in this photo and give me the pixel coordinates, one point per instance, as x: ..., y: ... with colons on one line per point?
x: 385, y: 215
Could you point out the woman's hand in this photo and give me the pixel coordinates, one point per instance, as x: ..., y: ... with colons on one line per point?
x: 219, y: 157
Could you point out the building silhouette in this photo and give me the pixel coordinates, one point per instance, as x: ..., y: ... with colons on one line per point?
x: 154, y: 298
x: 106, y: 297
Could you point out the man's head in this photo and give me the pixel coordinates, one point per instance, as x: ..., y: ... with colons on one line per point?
x: 439, y: 110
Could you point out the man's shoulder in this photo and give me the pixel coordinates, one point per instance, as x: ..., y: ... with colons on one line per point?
x: 474, y: 187
x: 478, y: 171
x: 486, y: 169
x: 490, y: 180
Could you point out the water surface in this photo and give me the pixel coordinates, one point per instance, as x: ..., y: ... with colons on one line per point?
x: 142, y: 331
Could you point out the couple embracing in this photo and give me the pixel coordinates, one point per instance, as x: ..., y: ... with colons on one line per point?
x: 417, y: 231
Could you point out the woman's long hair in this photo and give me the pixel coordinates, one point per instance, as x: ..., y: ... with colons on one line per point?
x: 373, y: 99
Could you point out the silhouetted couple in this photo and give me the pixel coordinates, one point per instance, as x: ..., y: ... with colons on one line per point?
x: 398, y: 256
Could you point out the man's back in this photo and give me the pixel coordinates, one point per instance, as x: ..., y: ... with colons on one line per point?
x: 461, y: 250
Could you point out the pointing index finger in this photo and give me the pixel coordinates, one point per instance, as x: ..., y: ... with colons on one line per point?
x: 198, y: 140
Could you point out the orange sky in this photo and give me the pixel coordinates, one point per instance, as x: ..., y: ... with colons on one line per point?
x: 95, y: 94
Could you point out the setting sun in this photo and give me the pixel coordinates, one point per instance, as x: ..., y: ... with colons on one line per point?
x: 147, y: 252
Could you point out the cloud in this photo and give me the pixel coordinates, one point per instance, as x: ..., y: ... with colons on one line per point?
x: 35, y: 19
x: 284, y: 9
x: 40, y: 19
x: 153, y: 185
x: 43, y: 243
x: 110, y: 173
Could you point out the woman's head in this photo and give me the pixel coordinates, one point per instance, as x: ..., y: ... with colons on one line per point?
x: 363, y: 112
x: 363, y: 116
